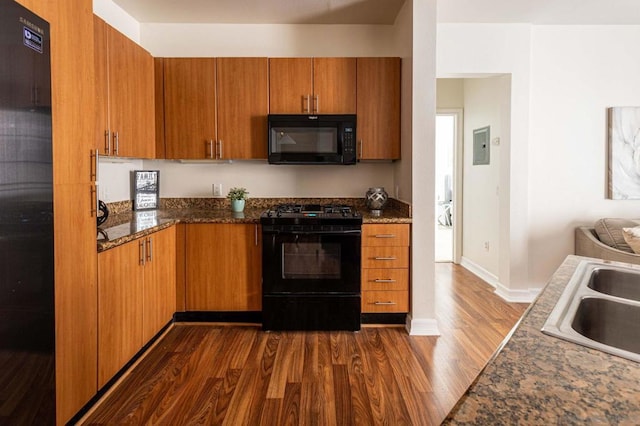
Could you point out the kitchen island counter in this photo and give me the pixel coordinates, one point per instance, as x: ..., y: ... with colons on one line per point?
x: 538, y: 379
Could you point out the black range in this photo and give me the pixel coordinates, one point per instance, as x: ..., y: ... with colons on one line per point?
x: 311, y: 267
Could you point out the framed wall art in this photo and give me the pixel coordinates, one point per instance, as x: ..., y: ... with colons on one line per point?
x: 145, y: 189
x: 623, y: 169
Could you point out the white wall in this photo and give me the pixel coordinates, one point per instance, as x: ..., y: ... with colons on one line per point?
x: 423, y: 114
x: 272, y: 40
x: 577, y: 72
x: 264, y: 180
x: 471, y: 50
x: 485, y: 100
x: 117, y: 18
x: 450, y: 93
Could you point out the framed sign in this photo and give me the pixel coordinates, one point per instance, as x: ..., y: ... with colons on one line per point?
x: 145, y: 189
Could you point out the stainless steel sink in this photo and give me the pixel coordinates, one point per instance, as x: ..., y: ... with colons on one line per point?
x: 616, y: 282
x: 600, y: 309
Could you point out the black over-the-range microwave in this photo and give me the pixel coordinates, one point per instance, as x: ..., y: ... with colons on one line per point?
x: 312, y: 139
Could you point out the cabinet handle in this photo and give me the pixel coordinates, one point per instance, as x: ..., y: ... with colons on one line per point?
x: 305, y: 103
x: 380, y: 280
x: 116, y: 142
x: 93, y: 173
x: 94, y: 201
x: 107, y: 142
x: 316, y: 103
x: 141, y: 253
x: 220, y: 152
x: 149, y: 249
x: 360, y: 149
x: 384, y: 303
x: 384, y: 236
x: 385, y: 258
x: 209, y: 149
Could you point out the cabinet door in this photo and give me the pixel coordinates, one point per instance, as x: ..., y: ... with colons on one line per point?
x: 120, y: 281
x: 224, y: 267
x: 334, y: 86
x: 76, y: 294
x: 100, y: 55
x: 378, y: 106
x: 159, y: 302
x: 131, y: 97
x: 243, y: 105
x: 290, y: 85
x: 190, y: 107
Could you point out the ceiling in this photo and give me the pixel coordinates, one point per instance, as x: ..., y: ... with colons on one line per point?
x: 566, y: 12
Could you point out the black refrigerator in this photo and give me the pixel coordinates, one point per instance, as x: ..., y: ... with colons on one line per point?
x: 27, y: 323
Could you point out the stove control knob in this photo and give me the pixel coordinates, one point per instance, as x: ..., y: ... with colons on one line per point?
x: 269, y: 213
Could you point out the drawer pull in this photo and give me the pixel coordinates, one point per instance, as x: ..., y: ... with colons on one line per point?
x: 380, y: 280
x: 384, y: 303
x: 385, y: 258
x: 384, y: 236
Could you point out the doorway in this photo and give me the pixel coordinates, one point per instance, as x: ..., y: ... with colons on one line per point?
x: 448, y: 185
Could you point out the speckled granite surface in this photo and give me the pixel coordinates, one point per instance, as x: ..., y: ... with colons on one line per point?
x: 124, y: 225
x: 535, y: 379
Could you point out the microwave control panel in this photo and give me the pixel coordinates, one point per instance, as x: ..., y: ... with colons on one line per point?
x: 348, y: 145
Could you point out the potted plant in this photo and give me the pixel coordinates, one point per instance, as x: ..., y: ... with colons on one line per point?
x: 237, y: 196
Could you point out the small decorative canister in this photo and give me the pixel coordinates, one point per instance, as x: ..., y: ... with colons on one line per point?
x: 376, y: 200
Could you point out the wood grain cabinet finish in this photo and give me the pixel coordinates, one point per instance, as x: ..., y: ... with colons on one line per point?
x: 215, y: 108
x: 159, y: 290
x: 72, y: 105
x: 385, y: 268
x: 378, y: 105
x: 223, y: 267
x: 136, y: 298
x: 125, y: 93
x: 312, y: 85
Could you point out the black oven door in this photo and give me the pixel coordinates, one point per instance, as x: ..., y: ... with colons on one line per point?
x: 311, y: 262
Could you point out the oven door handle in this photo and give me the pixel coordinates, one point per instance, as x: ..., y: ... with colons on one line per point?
x: 349, y: 232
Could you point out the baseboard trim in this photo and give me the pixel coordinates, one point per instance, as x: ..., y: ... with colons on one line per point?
x: 517, y: 296
x: 422, y: 326
x: 478, y: 270
x: 507, y: 294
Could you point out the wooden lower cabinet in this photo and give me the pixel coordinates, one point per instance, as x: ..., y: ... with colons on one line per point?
x: 385, y: 268
x: 223, y: 267
x: 136, y: 298
x: 159, y: 290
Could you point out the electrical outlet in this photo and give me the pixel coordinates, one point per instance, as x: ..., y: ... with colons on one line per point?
x: 486, y: 246
x: 217, y: 190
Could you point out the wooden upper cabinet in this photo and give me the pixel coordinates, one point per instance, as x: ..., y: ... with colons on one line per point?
x: 290, y: 85
x: 334, y: 86
x: 190, y: 108
x: 215, y: 108
x: 312, y: 85
x: 125, y: 92
x: 378, y: 106
x: 243, y: 105
x: 100, y: 54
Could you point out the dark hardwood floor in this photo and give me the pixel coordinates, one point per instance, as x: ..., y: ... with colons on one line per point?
x: 239, y: 375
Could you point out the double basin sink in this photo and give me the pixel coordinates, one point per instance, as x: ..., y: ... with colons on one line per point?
x: 600, y: 309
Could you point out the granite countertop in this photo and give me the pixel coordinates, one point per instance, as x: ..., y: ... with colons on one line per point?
x: 124, y: 225
x: 536, y: 379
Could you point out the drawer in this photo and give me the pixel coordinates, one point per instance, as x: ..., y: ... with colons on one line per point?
x: 376, y: 235
x: 385, y: 257
x: 385, y: 279
x: 385, y: 301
